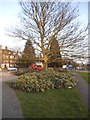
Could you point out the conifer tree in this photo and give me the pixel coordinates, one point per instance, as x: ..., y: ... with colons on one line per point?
x: 55, y: 56
x: 29, y: 55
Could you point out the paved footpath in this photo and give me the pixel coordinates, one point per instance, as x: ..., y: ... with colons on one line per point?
x: 84, y: 89
x: 10, y: 105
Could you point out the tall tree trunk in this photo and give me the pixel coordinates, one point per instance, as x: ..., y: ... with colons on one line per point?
x: 45, y: 65
x: 45, y: 62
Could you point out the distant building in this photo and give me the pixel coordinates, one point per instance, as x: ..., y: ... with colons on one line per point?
x: 8, y: 58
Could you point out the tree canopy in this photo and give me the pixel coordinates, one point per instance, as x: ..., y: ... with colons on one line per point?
x: 54, y: 58
x: 28, y: 56
x: 42, y: 21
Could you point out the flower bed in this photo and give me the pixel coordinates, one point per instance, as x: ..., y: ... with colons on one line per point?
x: 43, y: 80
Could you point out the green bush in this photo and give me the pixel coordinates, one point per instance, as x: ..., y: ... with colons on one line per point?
x: 23, y: 71
x: 43, y: 80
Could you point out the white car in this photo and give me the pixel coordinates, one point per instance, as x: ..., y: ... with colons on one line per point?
x: 64, y: 67
x: 12, y: 69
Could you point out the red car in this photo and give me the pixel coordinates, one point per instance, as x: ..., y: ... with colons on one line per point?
x: 32, y: 66
x: 37, y: 67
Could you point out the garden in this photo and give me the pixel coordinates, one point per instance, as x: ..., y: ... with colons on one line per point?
x: 40, y: 81
x: 49, y: 94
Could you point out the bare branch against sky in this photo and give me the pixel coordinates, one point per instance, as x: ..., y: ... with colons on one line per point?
x: 12, y: 8
x: 40, y: 22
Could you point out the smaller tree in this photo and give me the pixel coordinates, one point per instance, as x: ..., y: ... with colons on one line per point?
x: 74, y: 64
x: 28, y: 56
x: 55, y: 59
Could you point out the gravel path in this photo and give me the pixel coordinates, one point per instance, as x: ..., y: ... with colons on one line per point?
x: 10, y: 105
x: 83, y: 87
x: 7, y: 76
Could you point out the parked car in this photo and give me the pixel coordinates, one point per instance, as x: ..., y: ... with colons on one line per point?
x: 37, y: 66
x: 64, y: 67
x: 12, y: 69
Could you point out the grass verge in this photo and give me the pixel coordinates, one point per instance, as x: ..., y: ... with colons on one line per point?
x: 57, y: 103
x: 85, y: 75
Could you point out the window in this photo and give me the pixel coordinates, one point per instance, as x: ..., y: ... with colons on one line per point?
x: 3, y: 56
x: 9, y: 52
x: 11, y: 56
x: 6, y: 56
x: 5, y: 61
x: 10, y: 61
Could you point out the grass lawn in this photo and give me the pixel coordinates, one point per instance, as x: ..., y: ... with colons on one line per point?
x: 85, y: 75
x: 58, y: 103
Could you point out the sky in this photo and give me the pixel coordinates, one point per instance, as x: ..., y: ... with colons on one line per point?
x: 9, y: 16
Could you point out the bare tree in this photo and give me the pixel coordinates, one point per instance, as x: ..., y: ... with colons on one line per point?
x: 42, y: 21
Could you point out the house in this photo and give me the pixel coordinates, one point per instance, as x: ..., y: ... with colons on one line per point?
x: 8, y: 58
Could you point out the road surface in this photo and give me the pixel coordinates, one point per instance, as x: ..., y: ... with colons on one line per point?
x: 10, y: 105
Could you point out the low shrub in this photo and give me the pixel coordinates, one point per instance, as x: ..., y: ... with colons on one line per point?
x: 23, y: 71
x: 60, y: 70
x: 43, y: 80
